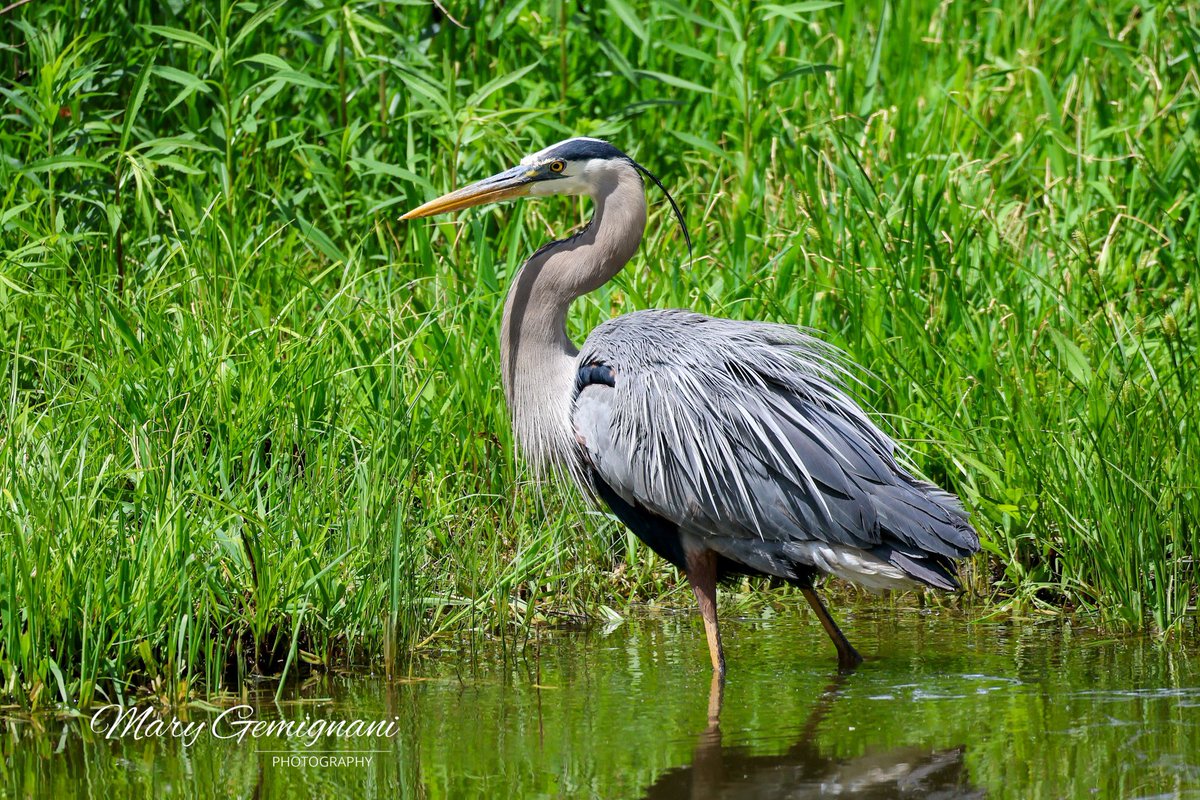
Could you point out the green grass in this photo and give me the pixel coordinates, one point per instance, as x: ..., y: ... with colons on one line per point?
x: 249, y: 421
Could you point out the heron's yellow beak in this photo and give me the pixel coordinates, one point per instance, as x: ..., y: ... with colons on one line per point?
x: 511, y: 183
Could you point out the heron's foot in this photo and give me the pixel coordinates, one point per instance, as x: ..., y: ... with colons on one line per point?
x: 848, y: 659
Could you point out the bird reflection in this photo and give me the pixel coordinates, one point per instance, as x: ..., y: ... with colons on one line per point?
x: 718, y: 771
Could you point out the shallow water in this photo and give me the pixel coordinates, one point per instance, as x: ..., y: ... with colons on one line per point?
x: 943, y: 707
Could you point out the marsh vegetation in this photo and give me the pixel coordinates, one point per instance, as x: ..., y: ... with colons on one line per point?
x: 251, y: 424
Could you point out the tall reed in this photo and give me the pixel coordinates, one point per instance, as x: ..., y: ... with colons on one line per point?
x: 250, y: 423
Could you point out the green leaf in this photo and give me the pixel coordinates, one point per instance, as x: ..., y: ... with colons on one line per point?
x: 698, y: 143
x: 12, y: 211
x: 671, y: 80
x: 122, y: 327
x: 498, y: 83
x: 178, y: 165
x: 1072, y: 358
x: 627, y: 16
x: 4, y: 279
x: 688, y: 51
x: 57, y: 163
x: 796, y: 11
x: 254, y: 22
x: 1049, y: 102
x: 169, y: 144
x: 320, y: 240
x: 420, y: 84
x: 803, y: 69
x: 58, y: 678
x: 373, y: 167
x: 867, y: 102
x: 267, y: 60
x: 300, y: 79
x: 135, y: 104
x: 175, y: 34
x: 190, y: 83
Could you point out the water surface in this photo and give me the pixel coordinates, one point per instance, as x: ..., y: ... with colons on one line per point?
x: 943, y: 707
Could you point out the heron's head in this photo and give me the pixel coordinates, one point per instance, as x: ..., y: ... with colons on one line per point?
x: 575, y: 166
x: 572, y: 167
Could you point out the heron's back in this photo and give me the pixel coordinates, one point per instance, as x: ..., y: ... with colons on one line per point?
x: 740, y: 437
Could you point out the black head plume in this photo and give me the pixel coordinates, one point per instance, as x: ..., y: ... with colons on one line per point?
x: 675, y: 207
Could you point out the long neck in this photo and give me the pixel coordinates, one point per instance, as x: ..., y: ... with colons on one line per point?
x: 537, y: 356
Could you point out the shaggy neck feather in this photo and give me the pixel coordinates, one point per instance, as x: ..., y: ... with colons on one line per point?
x: 537, y: 357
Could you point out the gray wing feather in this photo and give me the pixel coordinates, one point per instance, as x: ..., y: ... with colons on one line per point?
x: 735, y: 429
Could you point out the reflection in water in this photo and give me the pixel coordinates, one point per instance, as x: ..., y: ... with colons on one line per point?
x: 946, y: 707
x: 720, y: 771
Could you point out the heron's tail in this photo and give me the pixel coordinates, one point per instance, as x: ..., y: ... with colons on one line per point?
x: 930, y: 569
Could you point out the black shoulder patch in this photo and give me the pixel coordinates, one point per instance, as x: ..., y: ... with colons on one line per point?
x: 594, y: 373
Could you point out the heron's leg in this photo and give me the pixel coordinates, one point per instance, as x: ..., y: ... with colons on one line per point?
x: 702, y: 575
x: 716, y: 695
x: 848, y: 657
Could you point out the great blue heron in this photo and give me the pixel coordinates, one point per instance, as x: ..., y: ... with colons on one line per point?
x: 728, y: 447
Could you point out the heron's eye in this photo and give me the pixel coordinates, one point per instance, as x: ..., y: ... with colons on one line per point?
x: 557, y: 166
